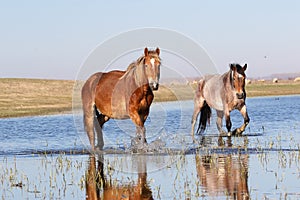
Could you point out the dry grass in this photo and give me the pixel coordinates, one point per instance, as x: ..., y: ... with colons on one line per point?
x: 174, y: 93
x: 273, y: 89
x: 23, y: 97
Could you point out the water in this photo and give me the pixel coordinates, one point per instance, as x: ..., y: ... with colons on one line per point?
x: 35, y: 158
x: 44, y: 133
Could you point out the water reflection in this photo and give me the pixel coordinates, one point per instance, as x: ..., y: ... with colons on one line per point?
x: 223, y: 174
x: 211, y: 140
x: 100, y: 185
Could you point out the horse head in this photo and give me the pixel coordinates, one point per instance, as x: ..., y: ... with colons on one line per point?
x: 237, y: 78
x: 152, y: 67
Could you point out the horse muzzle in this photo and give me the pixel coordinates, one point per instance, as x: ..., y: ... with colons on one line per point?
x: 240, y: 95
x: 154, y: 85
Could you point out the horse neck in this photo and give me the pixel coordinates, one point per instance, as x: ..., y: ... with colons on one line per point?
x: 139, y: 76
x: 227, y: 79
x: 135, y: 78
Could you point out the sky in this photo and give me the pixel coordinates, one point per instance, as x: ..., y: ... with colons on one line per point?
x: 52, y: 39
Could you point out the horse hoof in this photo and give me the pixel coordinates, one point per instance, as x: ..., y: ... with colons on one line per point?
x: 138, y: 145
x: 135, y: 141
x: 237, y: 132
x: 98, y: 148
x: 156, y: 145
x: 229, y: 134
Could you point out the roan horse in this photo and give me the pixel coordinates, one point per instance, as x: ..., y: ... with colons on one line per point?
x: 121, y: 95
x: 224, y: 93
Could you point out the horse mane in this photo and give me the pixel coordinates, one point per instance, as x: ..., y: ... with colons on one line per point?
x: 239, y: 68
x: 132, y: 66
x: 140, y: 60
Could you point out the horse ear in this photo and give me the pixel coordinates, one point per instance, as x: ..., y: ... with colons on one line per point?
x: 157, y: 51
x: 245, y: 67
x: 146, y: 51
x: 232, y: 67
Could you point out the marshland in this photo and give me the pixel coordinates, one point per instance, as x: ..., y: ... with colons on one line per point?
x: 45, y: 156
x: 44, y: 150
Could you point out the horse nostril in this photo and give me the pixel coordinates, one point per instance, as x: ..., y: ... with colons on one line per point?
x: 240, y: 95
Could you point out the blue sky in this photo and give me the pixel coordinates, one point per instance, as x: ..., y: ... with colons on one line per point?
x: 51, y: 39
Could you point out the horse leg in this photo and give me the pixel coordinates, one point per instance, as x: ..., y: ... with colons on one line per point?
x: 141, y: 133
x: 241, y: 129
x: 139, y: 142
x: 139, y: 123
x: 88, y: 101
x: 88, y: 118
x: 220, y: 115
x: 228, y: 122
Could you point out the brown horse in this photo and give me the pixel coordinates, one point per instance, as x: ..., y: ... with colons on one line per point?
x: 224, y: 93
x: 121, y: 95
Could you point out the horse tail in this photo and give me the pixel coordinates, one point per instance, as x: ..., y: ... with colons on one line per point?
x: 204, y: 118
x: 98, y: 115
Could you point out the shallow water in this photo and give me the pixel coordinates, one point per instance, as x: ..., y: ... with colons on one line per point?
x: 44, y: 156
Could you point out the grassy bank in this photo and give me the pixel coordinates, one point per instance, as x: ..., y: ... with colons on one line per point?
x: 273, y: 89
x: 24, y: 97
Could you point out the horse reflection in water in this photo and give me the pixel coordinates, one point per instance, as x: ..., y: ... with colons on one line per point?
x: 98, y: 187
x: 224, y: 175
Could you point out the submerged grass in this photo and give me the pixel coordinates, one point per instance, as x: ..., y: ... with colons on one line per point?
x: 66, y: 176
x: 25, y: 97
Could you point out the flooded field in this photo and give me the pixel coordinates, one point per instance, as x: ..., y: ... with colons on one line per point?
x: 46, y: 157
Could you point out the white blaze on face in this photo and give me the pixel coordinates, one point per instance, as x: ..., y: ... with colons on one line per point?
x: 240, y: 75
x: 152, y: 61
x: 153, y: 82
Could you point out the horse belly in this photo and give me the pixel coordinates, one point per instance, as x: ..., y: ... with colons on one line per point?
x: 115, y: 107
x: 212, y: 95
x: 216, y: 104
x: 119, y: 110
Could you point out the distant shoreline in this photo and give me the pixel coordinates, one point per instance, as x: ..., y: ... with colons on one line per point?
x: 33, y: 97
